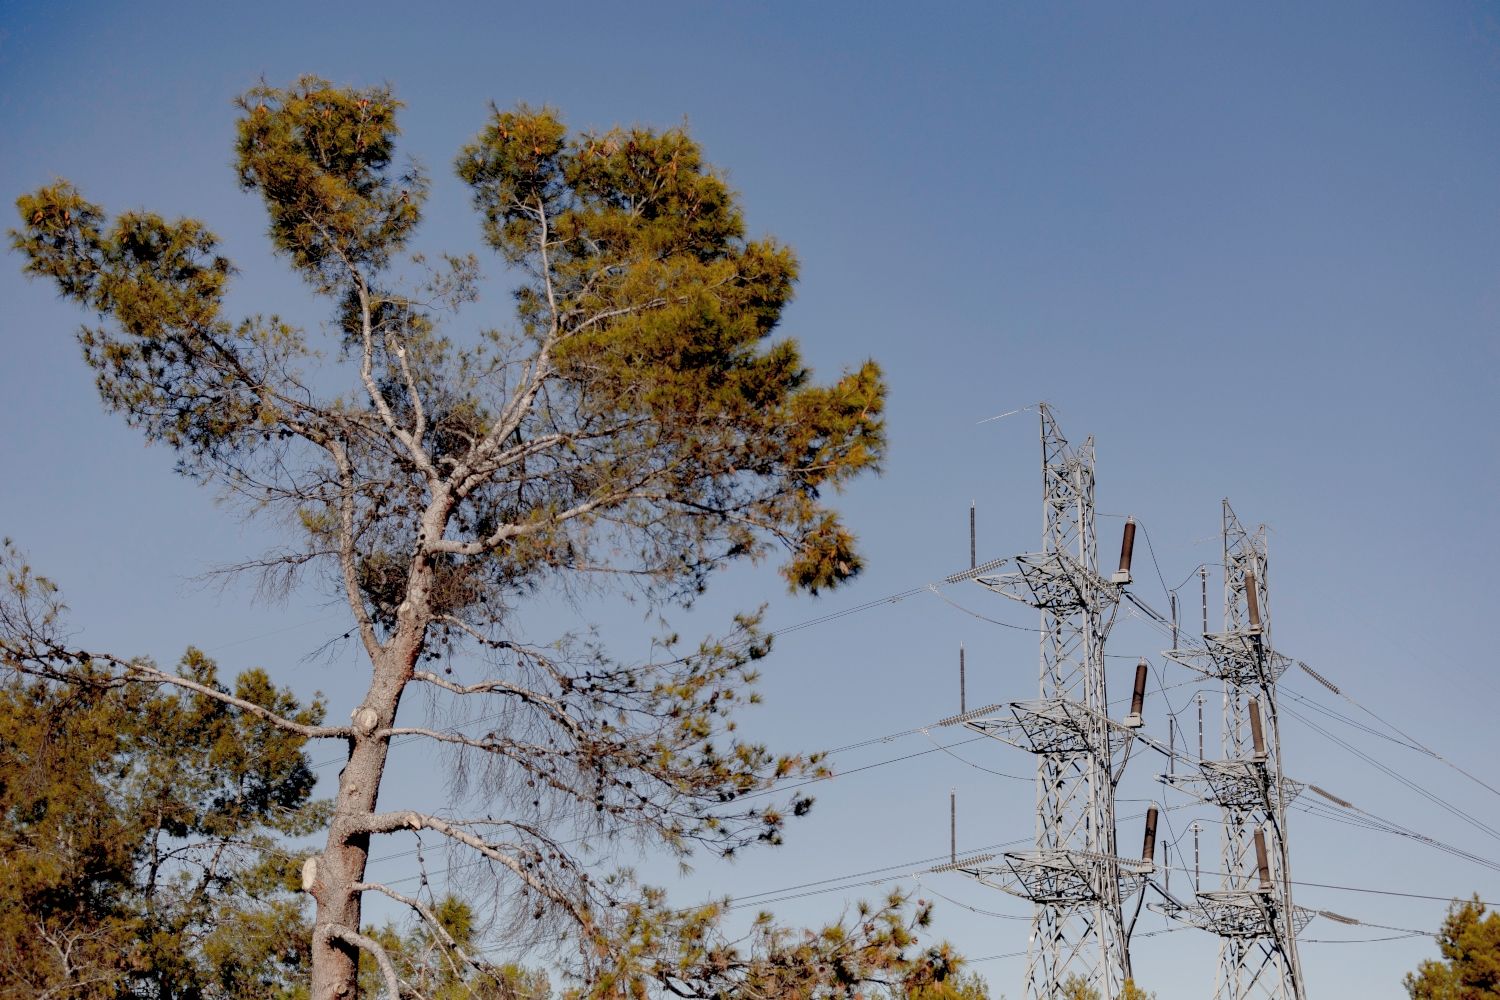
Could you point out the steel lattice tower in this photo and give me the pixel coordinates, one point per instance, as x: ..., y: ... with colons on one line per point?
x: 1074, y: 876
x: 1252, y: 911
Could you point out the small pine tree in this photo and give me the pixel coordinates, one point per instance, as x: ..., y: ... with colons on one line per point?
x: 135, y: 834
x: 1076, y: 987
x: 1470, y: 967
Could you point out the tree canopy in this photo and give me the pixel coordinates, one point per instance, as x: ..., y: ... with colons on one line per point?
x: 874, y: 952
x: 140, y: 835
x: 633, y: 424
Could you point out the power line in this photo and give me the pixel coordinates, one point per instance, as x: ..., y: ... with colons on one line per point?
x: 1338, y: 716
x: 1374, y: 940
x: 1391, y: 772
x: 984, y: 618
x: 915, y: 869
x: 1361, y: 818
x: 1021, y: 954
x: 787, y: 630
x: 1411, y: 740
x: 1391, y: 892
x: 1371, y: 821
x: 1154, y: 618
x: 274, y: 632
x: 965, y: 760
x: 777, y: 790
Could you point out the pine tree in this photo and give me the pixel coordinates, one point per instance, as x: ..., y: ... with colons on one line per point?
x: 138, y: 841
x: 1469, y: 942
x: 635, y: 424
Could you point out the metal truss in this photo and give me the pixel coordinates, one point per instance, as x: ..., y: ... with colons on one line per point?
x: 1061, y: 880
x: 1058, y: 726
x: 1234, y: 914
x: 1074, y: 876
x: 1252, y: 911
x: 1236, y: 784
x: 1237, y: 658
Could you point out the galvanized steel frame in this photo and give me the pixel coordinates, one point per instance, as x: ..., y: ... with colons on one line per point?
x: 1074, y: 876
x: 1257, y: 923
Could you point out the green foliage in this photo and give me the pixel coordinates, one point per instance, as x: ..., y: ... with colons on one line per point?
x: 322, y: 157
x: 656, y: 951
x: 441, y: 965
x: 134, y: 834
x: 1076, y: 987
x: 963, y: 986
x: 647, y: 304
x: 641, y: 231
x: 1469, y: 942
x: 172, y: 364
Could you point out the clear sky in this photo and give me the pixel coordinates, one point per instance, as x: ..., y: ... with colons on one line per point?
x: 1253, y: 249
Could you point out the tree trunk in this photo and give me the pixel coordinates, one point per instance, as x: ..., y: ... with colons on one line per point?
x: 335, y: 962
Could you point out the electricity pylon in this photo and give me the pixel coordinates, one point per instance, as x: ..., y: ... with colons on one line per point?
x: 1074, y: 878
x: 1252, y: 911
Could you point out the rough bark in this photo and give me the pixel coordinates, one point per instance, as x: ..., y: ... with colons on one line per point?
x: 347, y: 850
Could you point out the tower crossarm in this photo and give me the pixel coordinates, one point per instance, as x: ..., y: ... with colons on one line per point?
x: 1237, y: 657
x: 1059, y: 726
x: 1057, y: 877
x: 1245, y: 914
x: 1239, y: 784
x: 1053, y: 581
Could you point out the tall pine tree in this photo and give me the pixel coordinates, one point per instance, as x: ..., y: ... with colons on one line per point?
x: 634, y: 424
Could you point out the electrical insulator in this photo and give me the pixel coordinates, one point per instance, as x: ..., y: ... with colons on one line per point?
x: 1257, y: 737
x: 1137, y: 697
x: 1148, y: 848
x: 1261, y: 864
x: 1127, y: 548
x: 1252, y: 601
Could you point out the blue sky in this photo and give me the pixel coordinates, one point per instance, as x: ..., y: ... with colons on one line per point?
x: 1253, y: 250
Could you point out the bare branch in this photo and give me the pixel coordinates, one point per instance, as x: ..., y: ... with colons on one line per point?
x: 347, y: 558
x: 510, y: 531
x: 382, y: 959
x: 36, y: 662
x: 556, y: 709
x: 414, y: 448
x: 419, y: 415
x: 545, y: 265
x: 427, y: 915
x: 150, y: 674
x: 391, y: 822
x: 519, y: 405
